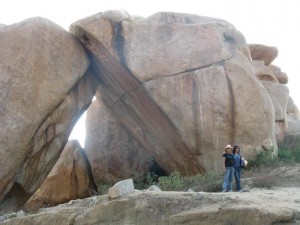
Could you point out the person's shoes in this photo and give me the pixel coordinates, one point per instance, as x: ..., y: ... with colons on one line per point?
x: 241, y: 190
x: 230, y: 191
x: 224, y: 190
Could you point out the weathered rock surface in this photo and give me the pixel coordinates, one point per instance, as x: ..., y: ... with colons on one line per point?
x: 292, y: 109
x: 279, y: 94
x: 70, y: 178
x: 121, y: 188
x: 263, y: 72
x: 292, y: 134
x: 113, y: 152
x: 287, y: 123
x: 252, y: 208
x: 281, y: 76
x: 179, y: 94
x: 43, y: 93
x: 263, y: 52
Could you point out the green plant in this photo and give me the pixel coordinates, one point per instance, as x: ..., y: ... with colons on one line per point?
x: 209, y: 181
x: 212, y: 181
x: 173, y: 182
x: 296, y: 153
x: 265, y: 159
x: 103, y: 189
x: 150, y: 179
x: 286, y: 156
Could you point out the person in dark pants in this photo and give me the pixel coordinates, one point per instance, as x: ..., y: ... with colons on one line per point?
x: 237, y: 167
x: 229, y: 169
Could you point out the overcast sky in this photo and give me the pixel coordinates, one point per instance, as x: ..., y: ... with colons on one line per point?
x: 268, y: 22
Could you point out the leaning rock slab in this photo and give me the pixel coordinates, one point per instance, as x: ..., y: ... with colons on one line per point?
x: 113, y: 152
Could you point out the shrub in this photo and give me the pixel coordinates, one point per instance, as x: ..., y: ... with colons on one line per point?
x: 285, y: 155
x: 296, y: 153
x: 173, y: 182
x: 209, y: 181
x: 265, y: 159
x: 150, y: 179
x: 103, y: 188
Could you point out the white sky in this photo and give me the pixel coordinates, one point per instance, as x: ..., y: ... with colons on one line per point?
x: 268, y: 22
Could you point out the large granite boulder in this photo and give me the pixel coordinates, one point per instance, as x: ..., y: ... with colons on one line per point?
x: 70, y: 178
x: 182, y: 84
x: 113, y: 152
x: 44, y: 90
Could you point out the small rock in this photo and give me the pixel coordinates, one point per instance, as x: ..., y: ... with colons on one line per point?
x: 121, y: 188
x: 20, y: 213
x: 245, y: 189
x: 154, y: 188
x: 2, y: 218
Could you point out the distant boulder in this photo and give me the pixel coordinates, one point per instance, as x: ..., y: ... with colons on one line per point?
x: 262, y: 52
x: 70, y: 178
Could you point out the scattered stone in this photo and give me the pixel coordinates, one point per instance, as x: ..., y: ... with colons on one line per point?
x: 246, y: 188
x: 20, y: 213
x: 2, y: 218
x: 154, y: 188
x: 121, y: 188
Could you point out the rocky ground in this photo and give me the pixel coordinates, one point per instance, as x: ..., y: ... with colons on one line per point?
x: 277, y: 205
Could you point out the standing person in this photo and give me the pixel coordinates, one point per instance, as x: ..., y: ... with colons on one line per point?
x: 229, y: 169
x: 237, y: 167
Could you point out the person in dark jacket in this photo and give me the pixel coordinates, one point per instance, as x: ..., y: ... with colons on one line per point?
x: 237, y: 167
x: 229, y: 169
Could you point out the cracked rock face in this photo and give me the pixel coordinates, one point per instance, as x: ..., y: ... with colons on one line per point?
x: 183, y: 85
x: 44, y: 90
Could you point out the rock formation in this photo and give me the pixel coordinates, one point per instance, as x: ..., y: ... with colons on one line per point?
x: 172, y: 90
x: 292, y: 134
x: 182, y: 84
x: 44, y: 90
x: 287, y: 121
x: 69, y: 179
x: 263, y: 53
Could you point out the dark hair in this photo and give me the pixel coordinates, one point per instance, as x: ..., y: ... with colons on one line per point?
x: 235, y: 148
